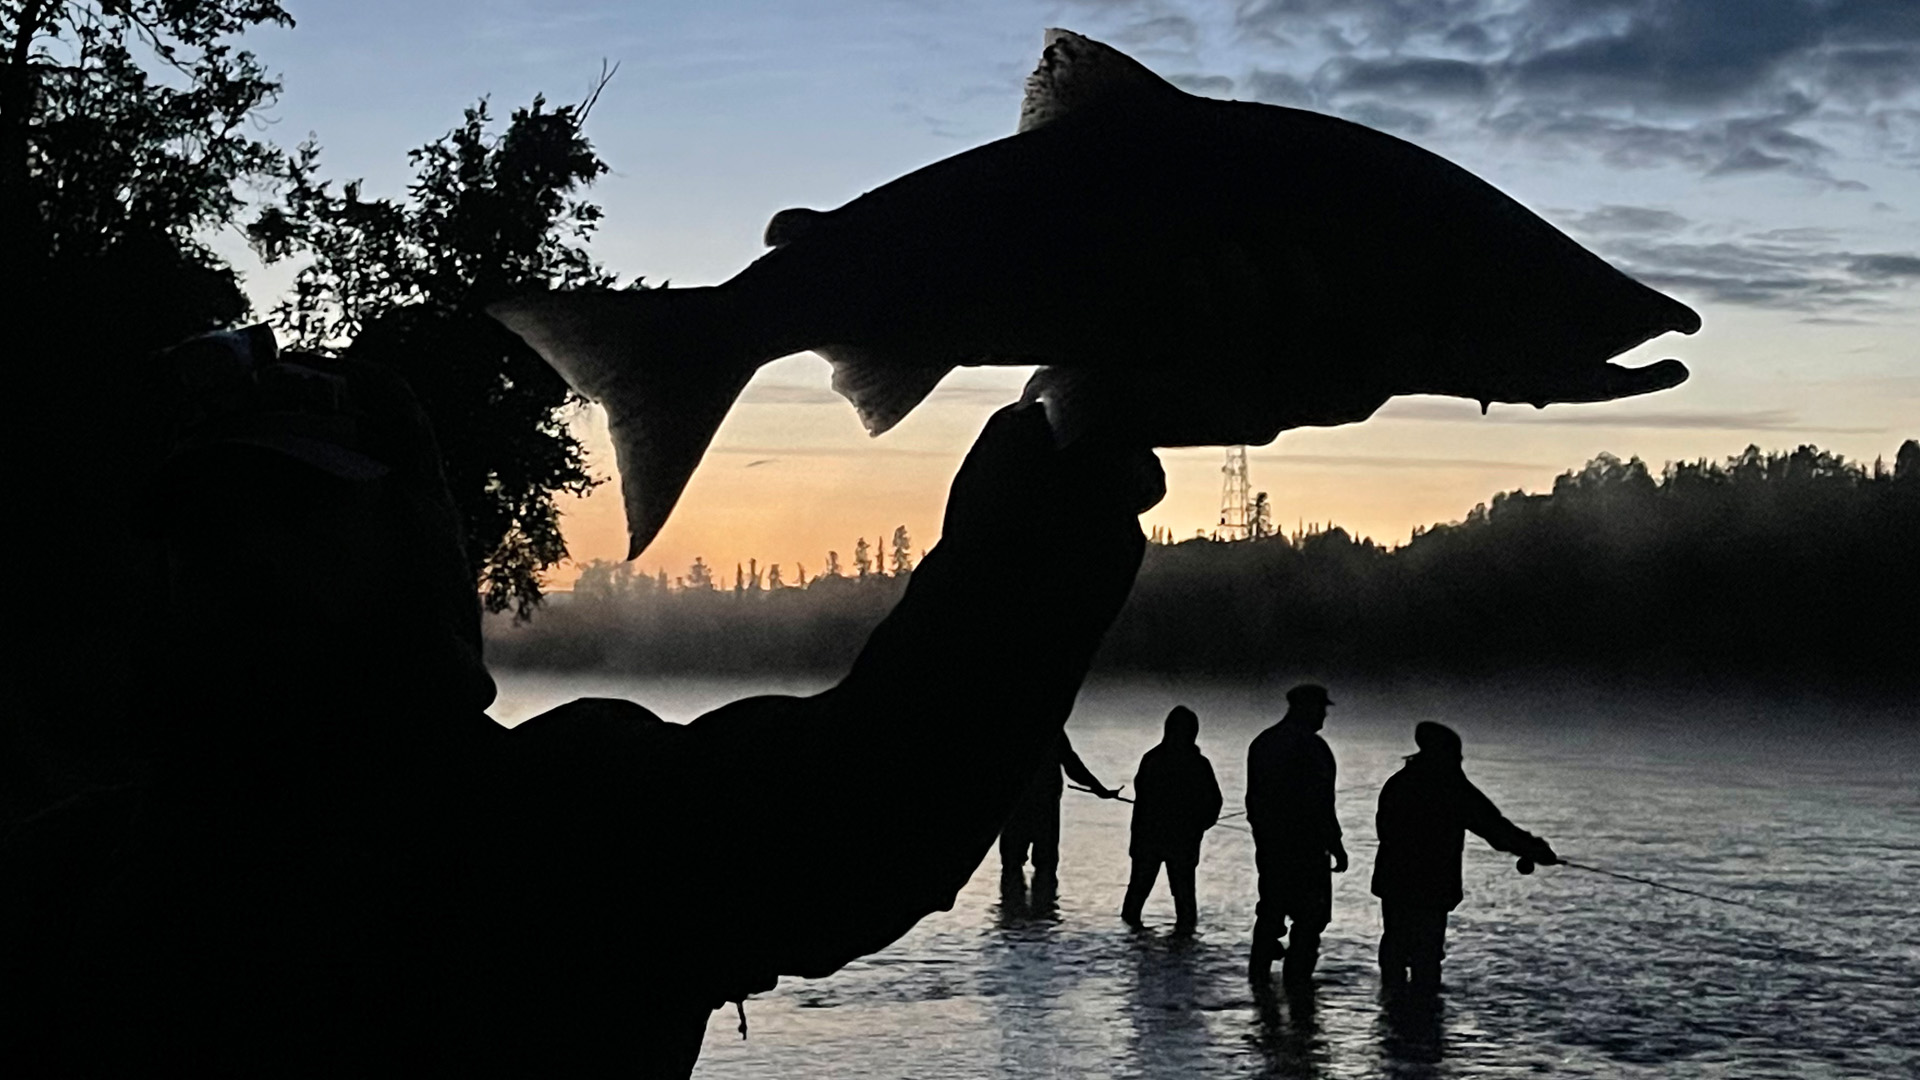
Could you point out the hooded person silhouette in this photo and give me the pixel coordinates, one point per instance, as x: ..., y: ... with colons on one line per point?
x: 1426, y: 810
x: 342, y: 866
x: 1176, y: 800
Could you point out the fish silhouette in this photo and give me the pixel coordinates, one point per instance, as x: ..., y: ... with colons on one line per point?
x: 1185, y: 272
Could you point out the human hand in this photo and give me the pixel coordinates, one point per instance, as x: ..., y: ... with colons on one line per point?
x: 1339, y: 858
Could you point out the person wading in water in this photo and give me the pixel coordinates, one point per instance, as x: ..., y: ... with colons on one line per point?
x: 1176, y: 800
x: 1425, y: 812
x: 1035, y: 825
x: 1296, y: 838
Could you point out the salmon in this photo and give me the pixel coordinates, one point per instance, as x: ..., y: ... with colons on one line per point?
x: 1182, y: 271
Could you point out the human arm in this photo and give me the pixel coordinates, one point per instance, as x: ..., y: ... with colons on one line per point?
x: 1078, y: 772
x: 1332, y: 823
x: 957, y: 698
x: 1484, y: 820
x: 1211, y: 800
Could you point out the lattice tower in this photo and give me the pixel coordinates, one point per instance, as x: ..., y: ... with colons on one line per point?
x: 1236, y: 497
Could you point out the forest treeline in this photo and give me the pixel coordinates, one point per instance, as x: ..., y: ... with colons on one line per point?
x: 1796, y: 564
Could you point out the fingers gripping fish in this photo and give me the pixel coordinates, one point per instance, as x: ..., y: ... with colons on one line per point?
x: 1184, y: 272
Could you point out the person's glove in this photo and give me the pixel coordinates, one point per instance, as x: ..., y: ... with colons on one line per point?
x: 1108, y: 793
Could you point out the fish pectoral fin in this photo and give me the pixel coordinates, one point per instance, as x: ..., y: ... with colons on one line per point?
x: 792, y: 224
x: 883, y: 387
x: 1076, y: 72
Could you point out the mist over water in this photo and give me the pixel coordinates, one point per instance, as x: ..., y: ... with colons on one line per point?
x: 1800, y: 806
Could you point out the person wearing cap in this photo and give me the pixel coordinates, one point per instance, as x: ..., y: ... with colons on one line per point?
x: 1296, y: 838
x: 1426, y: 810
x: 1176, y: 800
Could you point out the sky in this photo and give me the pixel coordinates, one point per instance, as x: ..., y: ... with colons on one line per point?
x: 1757, y: 159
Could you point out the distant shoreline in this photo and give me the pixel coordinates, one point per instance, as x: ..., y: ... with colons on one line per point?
x: 1787, y: 569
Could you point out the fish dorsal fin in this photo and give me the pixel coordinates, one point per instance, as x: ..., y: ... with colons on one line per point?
x: 1076, y: 72
x: 792, y: 224
x: 883, y: 388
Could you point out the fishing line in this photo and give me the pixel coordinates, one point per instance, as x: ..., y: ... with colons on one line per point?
x: 1779, y: 913
x: 1223, y: 821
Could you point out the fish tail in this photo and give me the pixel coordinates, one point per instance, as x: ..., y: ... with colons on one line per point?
x: 667, y: 364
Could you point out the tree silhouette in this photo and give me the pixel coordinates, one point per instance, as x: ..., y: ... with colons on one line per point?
x: 902, y: 554
x: 699, y: 575
x: 405, y: 283
x: 127, y: 137
x: 96, y: 152
x: 862, y: 560
x: 1793, y: 567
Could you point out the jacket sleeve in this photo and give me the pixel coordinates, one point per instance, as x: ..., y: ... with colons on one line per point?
x: 1077, y: 770
x: 1484, y: 820
x: 1327, y: 797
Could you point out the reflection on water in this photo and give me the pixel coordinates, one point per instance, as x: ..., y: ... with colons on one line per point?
x: 1412, y: 1034
x: 1559, y: 973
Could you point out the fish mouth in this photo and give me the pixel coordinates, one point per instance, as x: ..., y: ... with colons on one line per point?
x: 1605, y: 382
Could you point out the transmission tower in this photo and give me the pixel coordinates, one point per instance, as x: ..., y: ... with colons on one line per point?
x: 1236, y: 497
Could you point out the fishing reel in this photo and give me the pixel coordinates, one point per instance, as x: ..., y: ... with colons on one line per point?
x: 1525, y: 865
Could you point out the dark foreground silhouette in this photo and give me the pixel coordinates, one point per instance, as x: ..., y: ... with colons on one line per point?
x: 342, y: 866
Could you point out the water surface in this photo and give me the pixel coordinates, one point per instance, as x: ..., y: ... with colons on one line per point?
x: 1807, y: 810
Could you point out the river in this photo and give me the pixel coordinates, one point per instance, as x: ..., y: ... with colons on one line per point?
x: 1802, y: 808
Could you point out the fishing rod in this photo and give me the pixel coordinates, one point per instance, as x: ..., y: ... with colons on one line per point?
x: 1090, y: 791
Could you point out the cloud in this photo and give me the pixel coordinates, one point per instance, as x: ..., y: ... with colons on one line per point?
x: 1160, y: 30
x: 1718, y: 147
x: 791, y: 394
x: 1364, y: 461
x: 1204, y: 85
x: 1392, y: 118
x: 1629, y: 219
x: 864, y: 450
x: 1885, y: 266
x: 788, y: 394
x: 1788, y: 269
x: 1443, y: 411
x: 1720, y: 87
x: 1278, y: 88
x: 1418, y: 77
